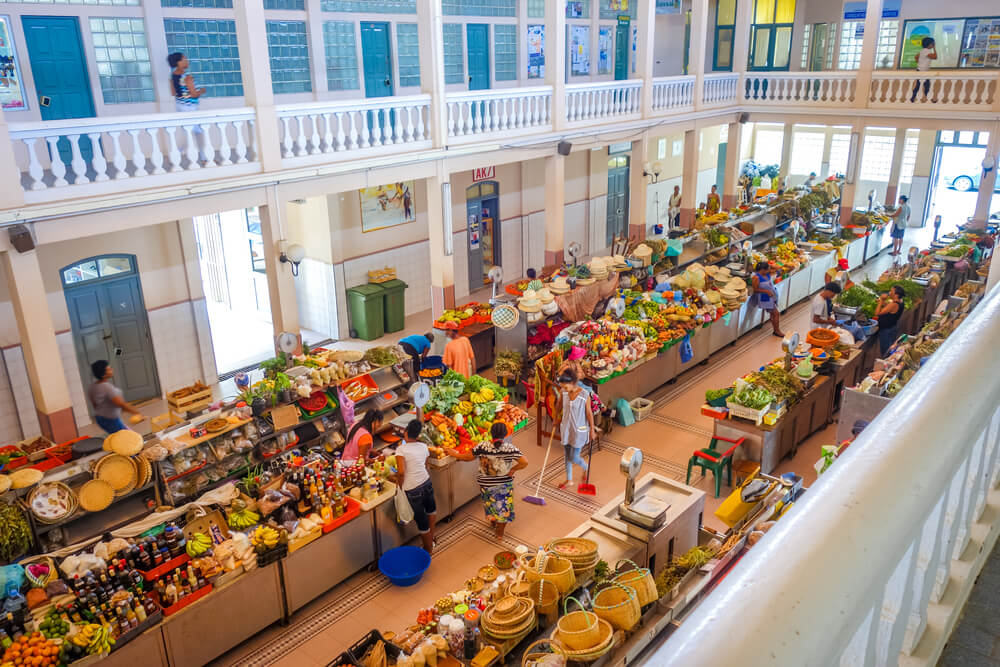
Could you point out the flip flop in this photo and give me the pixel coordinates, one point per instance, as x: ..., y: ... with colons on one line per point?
x: 565, y: 484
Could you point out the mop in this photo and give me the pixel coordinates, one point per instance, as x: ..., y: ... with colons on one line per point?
x: 585, y: 487
x: 537, y: 498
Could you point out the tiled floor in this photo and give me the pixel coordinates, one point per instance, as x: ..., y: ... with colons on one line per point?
x: 319, y: 632
x: 975, y: 642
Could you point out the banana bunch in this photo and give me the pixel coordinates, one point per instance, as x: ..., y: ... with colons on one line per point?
x: 464, y: 407
x: 198, y: 544
x: 265, y: 538
x: 241, y: 518
x: 94, y: 637
x: 484, y: 395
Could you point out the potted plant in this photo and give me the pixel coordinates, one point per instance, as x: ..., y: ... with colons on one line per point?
x: 273, y: 366
x: 257, y: 402
x: 283, y: 387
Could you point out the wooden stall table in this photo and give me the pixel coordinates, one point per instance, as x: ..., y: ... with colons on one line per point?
x: 481, y: 337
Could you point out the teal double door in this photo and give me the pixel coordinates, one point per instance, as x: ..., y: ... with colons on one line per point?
x: 59, y: 68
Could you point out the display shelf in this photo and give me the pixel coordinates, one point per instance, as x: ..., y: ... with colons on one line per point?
x: 189, y: 442
x: 79, y: 514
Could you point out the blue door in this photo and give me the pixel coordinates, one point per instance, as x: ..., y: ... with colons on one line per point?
x: 478, y: 38
x: 377, y: 64
x: 59, y: 68
x: 621, y: 48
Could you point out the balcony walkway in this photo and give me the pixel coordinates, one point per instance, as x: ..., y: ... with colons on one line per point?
x: 975, y: 642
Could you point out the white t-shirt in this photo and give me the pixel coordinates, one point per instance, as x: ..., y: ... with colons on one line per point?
x: 415, y: 457
x: 818, y: 306
x: 903, y: 220
x: 924, y: 60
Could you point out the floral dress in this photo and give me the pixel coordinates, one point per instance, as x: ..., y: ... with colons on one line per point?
x: 496, y: 459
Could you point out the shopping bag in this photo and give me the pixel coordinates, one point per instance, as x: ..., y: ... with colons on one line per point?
x: 674, y: 247
x: 625, y: 416
x: 726, y: 318
x: 404, y: 513
x: 687, y: 353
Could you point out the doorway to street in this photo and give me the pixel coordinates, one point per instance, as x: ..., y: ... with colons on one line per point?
x: 485, y: 237
x: 955, y: 175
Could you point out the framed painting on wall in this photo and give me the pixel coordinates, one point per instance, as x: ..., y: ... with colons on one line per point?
x: 386, y: 206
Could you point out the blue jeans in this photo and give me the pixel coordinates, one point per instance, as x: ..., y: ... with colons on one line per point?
x: 573, y: 455
x: 886, y: 337
x: 110, y: 425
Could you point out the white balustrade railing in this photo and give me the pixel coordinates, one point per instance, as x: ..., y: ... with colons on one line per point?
x: 719, y: 89
x: 809, y: 88
x: 80, y: 151
x: 595, y: 101
x: 673, y: 92
x: 873, y: 564
x: 485, y: 111
x: 968, y: 90
x: 315, y: 128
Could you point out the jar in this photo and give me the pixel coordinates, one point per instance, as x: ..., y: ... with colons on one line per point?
x: 456, y: 637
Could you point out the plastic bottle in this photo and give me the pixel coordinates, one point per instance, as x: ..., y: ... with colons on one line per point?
x: 456, y: 637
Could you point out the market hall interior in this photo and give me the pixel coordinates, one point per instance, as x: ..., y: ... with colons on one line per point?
x: 380, y: 165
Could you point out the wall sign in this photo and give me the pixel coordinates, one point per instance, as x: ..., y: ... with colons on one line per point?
x: 620, y: 147
x: 668, y: 6
x: 579, y: 50
x: 536, y: 51
x: 473, y: 232
x: 11, y: 84
x: 856, y: 11
x: 483, y: 174
x: 604, y: 50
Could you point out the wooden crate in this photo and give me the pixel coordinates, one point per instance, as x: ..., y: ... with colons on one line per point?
x: 382, y: 275
x: 191, y: 402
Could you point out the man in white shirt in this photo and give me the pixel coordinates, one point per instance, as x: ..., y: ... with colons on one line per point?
x: 811, y: 181
x: 900, y: 218
x: 928, y: 52
x: 822, y: 305
x: 674, y: 210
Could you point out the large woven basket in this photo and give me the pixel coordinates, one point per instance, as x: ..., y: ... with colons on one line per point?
x: 640, y: 579
x: 581, y: 552
x: 533, y: 655
x: 618, y: 605
x: 545, y: 595
x: 508, y: 617
x: 552, y: 568
x: 519, y: 587
x: 578, y: 630
x: 605, y: 642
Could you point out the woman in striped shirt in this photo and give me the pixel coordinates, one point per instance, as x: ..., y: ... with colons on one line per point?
x: 498, y: 461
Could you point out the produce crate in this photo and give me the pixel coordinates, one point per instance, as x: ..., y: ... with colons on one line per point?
x: 191, y: 402
x: 714, y: 412
x: 184, y: 602
x: 756, y: 416
x: 272, y: 555
x: 641, y: 407
x: 359, y: 648
x: 163, y: 568
x: 387, y: 494
x: 36, y: 455
x: 343, y: 660
x: 299, y: 542
x: 14, y: 463
x: 353, y: 511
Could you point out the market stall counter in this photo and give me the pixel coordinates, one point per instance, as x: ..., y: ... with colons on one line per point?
x: 391, y: 534
x: 147, y: 649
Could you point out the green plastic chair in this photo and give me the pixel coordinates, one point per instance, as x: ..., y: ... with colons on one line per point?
x: 711, y: 459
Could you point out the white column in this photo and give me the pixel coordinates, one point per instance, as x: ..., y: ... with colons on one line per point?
x: 741, y: 36
x: 251, y: 35
x: 699, y: 41
x: 156, y: 39
x: 555, y: 59
x: 988, y: 180
x: 892, y: 188
x: 555, y: 208
x: 317, y: 47
x: 12, y: 195
x: 731, y: 185
x: 786, y: 152
x: 853, y: 170
x: 280, y: 281
x: 644, y: 55
x: 689, y: 180
x: 637, y: 227
x: 873, y: 16
x: 431, y: 40
x: 442, y: 265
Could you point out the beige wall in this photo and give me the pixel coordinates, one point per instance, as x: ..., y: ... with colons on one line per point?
x: 309, y: 226
x: 708, y: 157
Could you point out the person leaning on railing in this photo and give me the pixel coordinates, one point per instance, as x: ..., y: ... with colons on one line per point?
x: 928, y: 52
x: 186, y: 94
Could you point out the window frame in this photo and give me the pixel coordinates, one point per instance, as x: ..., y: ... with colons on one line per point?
x: 720, y: 27
x: 773, y: 28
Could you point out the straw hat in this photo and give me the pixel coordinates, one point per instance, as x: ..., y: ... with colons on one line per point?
x: 125, y: 442
x: 96, y: 495
x: 117, y: 470
x: 144, y: 471
x: 25, y: 477
x: 559, y: 286
x: 529, y: 302
x: 545, y: 295
x: 505, y: 316
x: 550, y: 308
x: 4, y: 483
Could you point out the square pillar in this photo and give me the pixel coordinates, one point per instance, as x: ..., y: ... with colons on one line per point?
x: 734, y: 144
x: 280, y: 281
x: 786, y: 152
x: 555, y: 209
x: 741, y: 37
x: 873, y: 16
x: 689, y: 180
x: 853, y: 170
x: 12, y: 195
x: 46, y: 373
x: 442, y: 263
x: 892, y: 189
x: 637, y: 228
x: 700, y: 12
x: 430, y: 36
x: 646, y: 23
x: 555, y: 60
x: 986, y: 185
x: 255, y: 66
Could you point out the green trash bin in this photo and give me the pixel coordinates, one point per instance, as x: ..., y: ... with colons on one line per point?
x: 395, y: 305
x: 366, y: 303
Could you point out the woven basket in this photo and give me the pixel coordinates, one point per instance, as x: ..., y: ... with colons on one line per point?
x: 554, y: 658
x: 578, y: 630
x: 640, y: 579
x: 519, y: 587
x: 509, y: 617
x: 552, y: 568
x: 545, y: 595
x: 618, y: 605
x: 605, y: 642
x: 576, y: 549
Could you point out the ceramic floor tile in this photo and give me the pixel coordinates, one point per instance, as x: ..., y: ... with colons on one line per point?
x: 332, y: 641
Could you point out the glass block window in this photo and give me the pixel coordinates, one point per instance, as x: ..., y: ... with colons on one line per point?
x: 341, y: 50
x: 876, y: 157
x: 840, y: 147
x: 885, y: 50
x: 454, y: 58
x: 371, y: 6
x: 290, y: 5
x: 74, y: 2
x: 831, y: 42
x: 612, y: 9
x: 408, y: 54
x: 805, y: 46
x: 536, y: 9
x: 807, y: 152
x: 198, y: 4
x: 577, y: 9
x: 505, y: 52
x: 852, y: 36
x: 288, y: 49
x: 211, y: 47
x: 909, y: 156
x: 479, y: 7
x: 122, y: 60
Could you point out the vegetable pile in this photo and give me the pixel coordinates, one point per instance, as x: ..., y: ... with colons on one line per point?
x: 753, y: 397
x: 15, y: 535
x: 781, y: 385
x: 715, y: 394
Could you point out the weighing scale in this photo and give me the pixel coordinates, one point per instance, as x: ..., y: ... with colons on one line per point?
x: 646, y: 512
x: 789, y: 344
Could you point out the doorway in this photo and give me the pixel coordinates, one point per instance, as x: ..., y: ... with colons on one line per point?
x: 478, y: 39
x: 484, y: 233
x: 617, y: 218
x: 58, y: 65
x: 622, y: 34
x: 955, y: 175
x: 108, y: 319
x: 377, y: 65
x: 818, y: 47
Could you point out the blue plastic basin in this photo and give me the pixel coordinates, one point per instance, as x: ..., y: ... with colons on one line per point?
x: 404, y: 565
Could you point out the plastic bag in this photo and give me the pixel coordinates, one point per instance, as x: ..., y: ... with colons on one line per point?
x: 404, y: 513
x: 725, y: 318
x: 625, y: 416
x: 687, y: 352
x: 346, y: 406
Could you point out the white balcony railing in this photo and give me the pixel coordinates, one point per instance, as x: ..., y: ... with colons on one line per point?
x: 719, y: 89
x: 606, y: 100
x: 316, y: 128
x: 673, y: 92
x: 947, y: 88
x: 808, y: 88
x: 873, y: 564
x: 81, y: 151
x: 485, y: 111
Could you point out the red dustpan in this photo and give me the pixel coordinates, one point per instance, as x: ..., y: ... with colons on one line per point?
x: 585, y: 487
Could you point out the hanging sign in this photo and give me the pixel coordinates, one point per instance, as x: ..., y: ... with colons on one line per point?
x: 473, y: 232
x: 483, y: 174
x: 856, y: 11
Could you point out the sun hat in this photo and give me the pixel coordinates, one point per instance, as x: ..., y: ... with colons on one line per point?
x: 576, y: 352
x: 545, y: 295
x: 529, y: 302
x: 559, y: 286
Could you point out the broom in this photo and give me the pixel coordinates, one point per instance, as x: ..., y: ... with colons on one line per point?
x: 585, y: 487
x: 537, y: 498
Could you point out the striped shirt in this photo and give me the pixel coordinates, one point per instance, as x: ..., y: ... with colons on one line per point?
x: 495, y: 462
